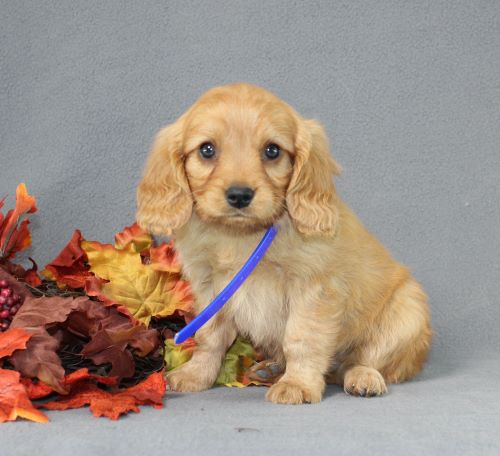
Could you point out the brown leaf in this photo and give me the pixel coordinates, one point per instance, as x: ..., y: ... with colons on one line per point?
x: 40, y: 359
x: 112, y: 336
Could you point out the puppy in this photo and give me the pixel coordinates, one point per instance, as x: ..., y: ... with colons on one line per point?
x: 327, y: 302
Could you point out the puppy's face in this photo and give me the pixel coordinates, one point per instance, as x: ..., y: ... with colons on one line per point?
x: 239, y: 157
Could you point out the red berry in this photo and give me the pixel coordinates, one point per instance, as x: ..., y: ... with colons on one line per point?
x: 16, y: 297
x: 4, y: 283
x: 6, y: 292
x: 3, y: 300
x: 13, y: 311
x: 4, y: 314
x: 9, y: 302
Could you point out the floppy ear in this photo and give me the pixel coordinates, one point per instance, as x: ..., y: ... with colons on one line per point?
x: 311, y: 198
x: 163, y: 197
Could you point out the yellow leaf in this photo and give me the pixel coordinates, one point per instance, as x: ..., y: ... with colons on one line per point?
x: 144, y: 291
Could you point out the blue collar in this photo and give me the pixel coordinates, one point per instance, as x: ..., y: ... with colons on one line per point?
x: 208, y: 312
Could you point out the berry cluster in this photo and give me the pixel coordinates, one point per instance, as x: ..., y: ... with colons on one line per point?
x: 9, y: 304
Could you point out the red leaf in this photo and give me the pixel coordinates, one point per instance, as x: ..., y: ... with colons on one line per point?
x: 113, y: 404
x: 14, y: 401
x: 69, y: 267
x: 12, y: 340
x: 31, y: 275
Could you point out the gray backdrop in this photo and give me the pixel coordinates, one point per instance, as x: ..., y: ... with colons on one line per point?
x: 410, y: 95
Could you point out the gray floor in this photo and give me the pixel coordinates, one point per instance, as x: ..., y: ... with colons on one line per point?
x: 452, y: 408
x: 409, y: 94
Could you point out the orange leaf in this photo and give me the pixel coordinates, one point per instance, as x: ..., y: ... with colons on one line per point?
x: 165, y: 258
x: 14, y: 234
x: 133, y: 236
x: 36, y: 390
x: 12, y: 340
x: 111, y: 404
x: 14, y: 401
x: 69, y: 267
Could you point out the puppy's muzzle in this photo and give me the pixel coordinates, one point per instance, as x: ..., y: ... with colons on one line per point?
x: 239, y: 197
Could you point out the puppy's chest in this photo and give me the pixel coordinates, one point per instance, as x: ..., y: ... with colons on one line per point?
x: 258, y: 308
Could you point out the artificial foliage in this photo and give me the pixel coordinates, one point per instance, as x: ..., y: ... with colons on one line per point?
x: 95, y: 327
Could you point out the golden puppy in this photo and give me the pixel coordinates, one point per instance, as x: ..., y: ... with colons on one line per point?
x: 327, y: 301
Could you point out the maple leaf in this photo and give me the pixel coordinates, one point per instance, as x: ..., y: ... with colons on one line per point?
x: 144, y: 291
x: 13, y: 339
x: 135, y: 237
x: 111, y: 335
x: 14, y: 400
x: 164, y: 258
x: 70, y: 266
x: 111, y: 404
x: 36, y: 390
x: 14, y: 232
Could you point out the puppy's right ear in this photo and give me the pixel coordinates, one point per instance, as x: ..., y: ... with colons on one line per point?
x: 164, y: 200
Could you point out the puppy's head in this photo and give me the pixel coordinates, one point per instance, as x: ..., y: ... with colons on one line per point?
x: 239, y: 157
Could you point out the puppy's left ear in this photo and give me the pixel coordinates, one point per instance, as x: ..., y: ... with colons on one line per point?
x: 311, y: 198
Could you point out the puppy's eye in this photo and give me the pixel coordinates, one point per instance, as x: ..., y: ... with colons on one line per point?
x: 272, y: 152
x: 207, y: 150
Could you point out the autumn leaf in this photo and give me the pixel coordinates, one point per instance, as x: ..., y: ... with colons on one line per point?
x: 176, y: 355
x: 238, y: 360
x: 14, y: 400
x: 164, y: 258
x: 110, y: 346
x: 111, y: 336
x: 111, y: 404
x: 14, y: 232
x: 238, y: 357
x: 40, y: 359
x: 13, y: 339
x: 70, y: 267
x: 145, y: 291
x: 134, y: 237
x: 36, y: 389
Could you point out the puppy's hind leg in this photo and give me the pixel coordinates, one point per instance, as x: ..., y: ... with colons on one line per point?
x: 396, y: 347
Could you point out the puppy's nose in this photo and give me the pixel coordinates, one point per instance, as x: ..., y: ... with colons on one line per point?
x: 239, y: 196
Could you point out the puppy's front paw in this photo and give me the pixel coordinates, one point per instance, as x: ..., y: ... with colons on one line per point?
x: 364, y: 381
x: 188, y: 379
x: 288, y: 392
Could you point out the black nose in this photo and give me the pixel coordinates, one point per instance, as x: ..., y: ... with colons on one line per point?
x: 239, y: 196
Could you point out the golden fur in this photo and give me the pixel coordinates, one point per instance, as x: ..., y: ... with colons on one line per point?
x: 327, y: 302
